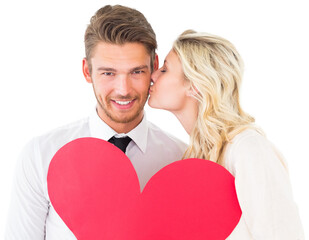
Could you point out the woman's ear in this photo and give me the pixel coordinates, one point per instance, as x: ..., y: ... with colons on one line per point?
x: 192, y: 91
x: 86, y: 72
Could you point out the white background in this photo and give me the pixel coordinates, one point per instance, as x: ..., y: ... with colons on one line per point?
x: 42, y: 86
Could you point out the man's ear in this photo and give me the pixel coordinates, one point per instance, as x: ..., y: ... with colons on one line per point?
x: 156, y: 63
x: 86, y: 72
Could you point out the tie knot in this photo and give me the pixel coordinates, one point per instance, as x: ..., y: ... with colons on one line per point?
x: 121, y: 143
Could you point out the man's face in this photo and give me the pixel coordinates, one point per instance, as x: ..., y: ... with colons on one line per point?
x: 121, y: 79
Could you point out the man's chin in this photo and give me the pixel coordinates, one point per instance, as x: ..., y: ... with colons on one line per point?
x: 121, y: 116
x: 123, y: 120
x: 126, y: 118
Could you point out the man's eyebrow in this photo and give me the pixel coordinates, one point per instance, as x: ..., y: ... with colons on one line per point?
x: 139, y: 68
x: 106, y: 69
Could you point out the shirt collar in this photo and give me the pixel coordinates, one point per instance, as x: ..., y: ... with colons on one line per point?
x: 99, y: 129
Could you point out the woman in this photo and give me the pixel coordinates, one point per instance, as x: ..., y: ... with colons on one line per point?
x: 199, y: 83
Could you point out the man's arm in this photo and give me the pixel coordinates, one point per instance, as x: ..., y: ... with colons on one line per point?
x: 29, y: 206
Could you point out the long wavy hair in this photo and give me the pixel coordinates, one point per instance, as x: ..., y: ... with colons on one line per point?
x: 214, y: 69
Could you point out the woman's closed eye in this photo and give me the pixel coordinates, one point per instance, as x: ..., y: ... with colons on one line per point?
x: 163, y: 69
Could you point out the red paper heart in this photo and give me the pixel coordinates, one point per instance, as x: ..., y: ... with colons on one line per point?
x: 94, y: 188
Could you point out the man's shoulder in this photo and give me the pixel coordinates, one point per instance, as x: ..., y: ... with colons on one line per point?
x: 65, y: 133
x: 39, y: 151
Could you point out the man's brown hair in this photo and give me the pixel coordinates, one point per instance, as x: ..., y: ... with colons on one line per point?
x: 119, y: 25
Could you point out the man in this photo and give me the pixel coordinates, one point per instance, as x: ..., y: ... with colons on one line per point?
x: 120, y: 56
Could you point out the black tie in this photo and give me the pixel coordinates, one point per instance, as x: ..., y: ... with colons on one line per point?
x: 121, y: 143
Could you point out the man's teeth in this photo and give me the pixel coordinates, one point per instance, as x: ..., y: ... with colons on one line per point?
x: 123, y: 102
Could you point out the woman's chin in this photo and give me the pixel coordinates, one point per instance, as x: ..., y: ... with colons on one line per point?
x: 152, y: 104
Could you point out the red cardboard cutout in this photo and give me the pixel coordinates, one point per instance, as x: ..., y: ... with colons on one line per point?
x: 94, y: 188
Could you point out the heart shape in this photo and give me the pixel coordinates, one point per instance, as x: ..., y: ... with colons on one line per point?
x: 94, y: 188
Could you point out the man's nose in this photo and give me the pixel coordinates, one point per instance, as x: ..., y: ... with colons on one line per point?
x: 123, y: 85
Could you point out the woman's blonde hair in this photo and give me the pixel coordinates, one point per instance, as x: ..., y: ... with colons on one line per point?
x: 214, y: 69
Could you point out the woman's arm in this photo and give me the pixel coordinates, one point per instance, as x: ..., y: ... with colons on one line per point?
x: 263, y: 188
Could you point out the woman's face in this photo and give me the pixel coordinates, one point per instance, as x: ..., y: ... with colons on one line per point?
x: 169, y: 89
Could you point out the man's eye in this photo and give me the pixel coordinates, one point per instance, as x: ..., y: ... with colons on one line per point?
x: 138, y: 72
x: 108, y: 73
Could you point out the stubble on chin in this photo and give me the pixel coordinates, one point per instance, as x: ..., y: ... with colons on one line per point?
x: 108, y: 112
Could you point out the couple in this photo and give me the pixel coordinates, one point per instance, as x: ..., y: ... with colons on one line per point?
x: 199, y: 82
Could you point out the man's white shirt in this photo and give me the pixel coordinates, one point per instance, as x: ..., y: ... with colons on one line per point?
x: 32, y: 216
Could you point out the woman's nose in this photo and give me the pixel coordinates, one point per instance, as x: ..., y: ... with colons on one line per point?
x: 154, y: 76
